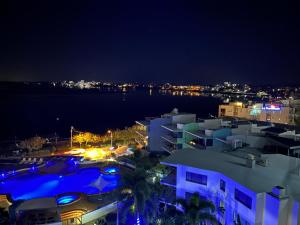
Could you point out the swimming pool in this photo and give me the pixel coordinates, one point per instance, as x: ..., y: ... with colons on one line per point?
x: 35, y: 185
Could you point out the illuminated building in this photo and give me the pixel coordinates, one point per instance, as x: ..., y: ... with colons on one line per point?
x: 252, y: 189
x: 274, y: 113
x: 156, y: 136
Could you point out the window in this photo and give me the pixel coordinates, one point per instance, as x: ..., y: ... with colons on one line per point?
x: 222, y: 185
x: 243, y: 198
x: 196, y: 178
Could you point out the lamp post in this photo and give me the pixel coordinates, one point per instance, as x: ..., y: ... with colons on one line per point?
x: 71, y: 140
x: 111, y: 136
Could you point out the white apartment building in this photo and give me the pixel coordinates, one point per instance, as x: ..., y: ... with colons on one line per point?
x: 259, y: 190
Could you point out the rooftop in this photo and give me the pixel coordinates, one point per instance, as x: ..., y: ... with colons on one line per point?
x: 280, y: 171
x: 287, y: 142
x: 274, y: 130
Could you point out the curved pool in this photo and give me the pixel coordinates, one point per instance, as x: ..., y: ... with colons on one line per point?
x: 35, y: 185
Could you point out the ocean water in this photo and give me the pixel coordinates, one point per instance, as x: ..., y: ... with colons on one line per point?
x: 44, y: 112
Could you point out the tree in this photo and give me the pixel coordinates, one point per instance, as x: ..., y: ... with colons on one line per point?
x: 4, y: 217
x: 171, y: 217
x: 79, y: 138
x: 34, y: 143
x: 197, y: 210
x: 139, y: 197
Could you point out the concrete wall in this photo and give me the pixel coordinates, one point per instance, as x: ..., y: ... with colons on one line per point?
x: 257, y: 129
x: 212, y: 192
x: 252, y: 141
x: 211, y: 124
x: 281, y: 116
x: 242, y: 129
x: 88, y: 217
x: 186, y: 138
x: 183, y: 118
x: 155, y: 131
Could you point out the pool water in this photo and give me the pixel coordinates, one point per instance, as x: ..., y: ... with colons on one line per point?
x: 66, y: 199
x: 111, y: 170
x: 35, y: 185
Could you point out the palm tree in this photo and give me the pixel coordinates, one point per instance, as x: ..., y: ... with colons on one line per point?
x: 4, y: 217
x: 138, y: 196
x: 197, y: 211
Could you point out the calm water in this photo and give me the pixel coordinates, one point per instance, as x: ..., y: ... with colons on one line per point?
x: 29, y: 113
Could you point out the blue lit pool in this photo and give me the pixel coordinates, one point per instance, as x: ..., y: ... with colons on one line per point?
x: 35, y: 185
x: 67, y: 199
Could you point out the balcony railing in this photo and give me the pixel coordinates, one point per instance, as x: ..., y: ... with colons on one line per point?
x: 142, y: 133
x: 169, y: 147
x: 169, y: 180
x: 168, y: 196
x: 169, y: 138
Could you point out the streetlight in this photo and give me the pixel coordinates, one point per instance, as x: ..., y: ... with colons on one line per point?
x: 111, y: 136
x: 71, y: 139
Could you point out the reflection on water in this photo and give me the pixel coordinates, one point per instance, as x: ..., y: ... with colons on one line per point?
x: 35, y: 113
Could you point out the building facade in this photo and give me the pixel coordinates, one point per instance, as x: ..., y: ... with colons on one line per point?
x: 274, y: 113
x: 242, y: 189
x: 165, y: 133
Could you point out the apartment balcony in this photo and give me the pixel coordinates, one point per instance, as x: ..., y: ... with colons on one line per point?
x: 168, y: 196
x: 169, y: 147
x: 170, y: 128
x: 141, y: 141
x: 169, y: 180
x: 169, y: 138
x: 195, y: 144
x: 142, y: 133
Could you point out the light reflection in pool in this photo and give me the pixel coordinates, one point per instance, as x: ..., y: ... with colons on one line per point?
x: 66, y: 199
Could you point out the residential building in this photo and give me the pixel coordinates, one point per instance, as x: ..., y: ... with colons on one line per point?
x: 253, y: 189
x: 274, y: 113
x: 164, y: 133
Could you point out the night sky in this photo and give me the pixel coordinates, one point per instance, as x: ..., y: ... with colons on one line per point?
x: 150, y: 41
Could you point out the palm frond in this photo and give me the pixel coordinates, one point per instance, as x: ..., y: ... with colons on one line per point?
x: 206, y: 205
x: 209, y: 218
x: 182, y: 203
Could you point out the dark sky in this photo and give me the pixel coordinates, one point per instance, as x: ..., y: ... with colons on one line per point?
x: 150, y: 41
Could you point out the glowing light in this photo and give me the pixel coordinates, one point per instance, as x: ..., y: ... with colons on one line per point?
x: 272, y: 107
x: 75, y: 151
x: 66, y: 199
x: 95, y: 153
x: 239, y: 104
x: 111, y: 170
x: 92, y: 154
x: 138, y: 222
